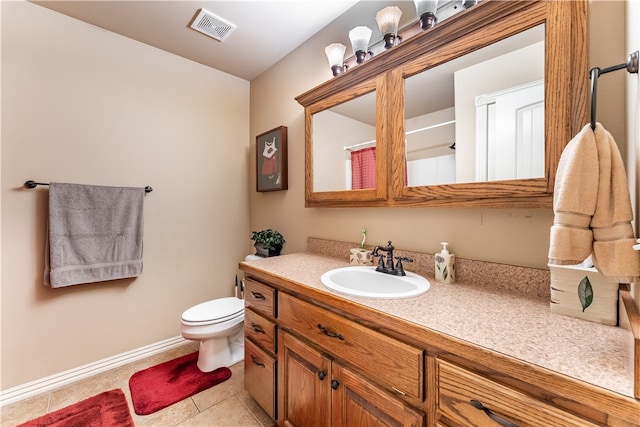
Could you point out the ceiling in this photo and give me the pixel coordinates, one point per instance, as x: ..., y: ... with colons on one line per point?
x: 266, y: 30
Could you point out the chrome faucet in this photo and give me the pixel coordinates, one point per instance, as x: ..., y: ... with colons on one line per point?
x: 385, y: 262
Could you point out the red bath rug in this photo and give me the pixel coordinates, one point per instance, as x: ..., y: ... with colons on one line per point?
x: 163, y: 385
x: 108, y: 409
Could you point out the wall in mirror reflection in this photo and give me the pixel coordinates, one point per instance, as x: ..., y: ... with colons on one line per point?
x: 490, y: 106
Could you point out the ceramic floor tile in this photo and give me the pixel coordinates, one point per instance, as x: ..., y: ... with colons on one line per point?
x: 257, y: 411
x: 25, y: 410
x: 227, y: 404
x: 83, y: 389
x: 228, y: 413
x: 222, y: 391
x: 187, y: 348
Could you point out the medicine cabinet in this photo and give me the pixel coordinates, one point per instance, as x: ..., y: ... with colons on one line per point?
x: 424, y: 117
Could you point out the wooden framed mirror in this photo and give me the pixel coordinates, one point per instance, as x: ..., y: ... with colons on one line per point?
x: 556, y: 90
x: 334, y: 125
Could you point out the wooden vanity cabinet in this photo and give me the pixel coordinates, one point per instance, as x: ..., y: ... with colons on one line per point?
x: 316, y: 390
x: 337, y: 363
x: 468, y: 399
x: 260, y: 360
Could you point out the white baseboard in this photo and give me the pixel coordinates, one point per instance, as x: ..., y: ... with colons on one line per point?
x: 52, y: 382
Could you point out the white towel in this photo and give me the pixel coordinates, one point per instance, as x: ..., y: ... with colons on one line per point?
x: 95, y: 234
x: 592, y: 208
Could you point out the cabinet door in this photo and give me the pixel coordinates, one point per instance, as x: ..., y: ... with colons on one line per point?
x: 260, y: 376
x: 304, y: 384
x: 357, y: 402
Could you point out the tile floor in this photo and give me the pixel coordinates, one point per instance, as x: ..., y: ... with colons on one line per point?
x: 227, y: 404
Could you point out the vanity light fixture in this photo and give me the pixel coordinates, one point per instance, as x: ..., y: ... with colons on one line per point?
x: 360, y: 37
x: 335, y: 55
x: 426, y: 10
x: 466, y: 4
x: 388, y: 20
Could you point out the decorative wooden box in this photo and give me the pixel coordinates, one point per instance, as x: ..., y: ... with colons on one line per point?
x: 583, y: 293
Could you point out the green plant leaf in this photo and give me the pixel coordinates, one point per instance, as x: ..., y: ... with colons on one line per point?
x: 585, y: 293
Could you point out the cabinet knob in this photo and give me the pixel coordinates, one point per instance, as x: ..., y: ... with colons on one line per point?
x: 322, y: 374
x: 498, y: 419
x: 335, y: 384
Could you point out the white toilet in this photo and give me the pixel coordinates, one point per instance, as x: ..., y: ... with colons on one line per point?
x: 219, y: 326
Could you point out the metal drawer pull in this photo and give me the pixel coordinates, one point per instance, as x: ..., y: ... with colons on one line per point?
x: 257, y: 295
x: 397, y: 390
x: 329, y: 333
x: 335, y: 384
x: 257, y: 328
x: 257, y: 361
x: 322, y: 375
x: 478, y: 405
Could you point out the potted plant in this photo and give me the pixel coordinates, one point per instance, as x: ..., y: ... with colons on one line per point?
x: 267, y: 242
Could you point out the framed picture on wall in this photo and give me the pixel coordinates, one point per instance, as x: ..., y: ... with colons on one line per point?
x: 271, y: 160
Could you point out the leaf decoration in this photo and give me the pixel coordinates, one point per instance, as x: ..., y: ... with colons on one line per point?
x: 445, y: 273
x: 585, y: 293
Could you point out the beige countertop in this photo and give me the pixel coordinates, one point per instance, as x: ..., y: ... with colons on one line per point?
x: 520, y: 327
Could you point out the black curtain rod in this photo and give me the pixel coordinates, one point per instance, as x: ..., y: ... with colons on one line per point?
x: 33, y: 184
x: 631, y: 66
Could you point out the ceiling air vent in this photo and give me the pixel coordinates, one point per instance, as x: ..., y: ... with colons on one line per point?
x: 211, y: 25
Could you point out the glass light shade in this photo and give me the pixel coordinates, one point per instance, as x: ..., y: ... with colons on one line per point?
x: 426, y: 10
x: 388, y: 20
x: 335, y: 55
x: 360, y: 37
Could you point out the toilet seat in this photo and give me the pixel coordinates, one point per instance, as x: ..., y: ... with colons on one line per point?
x: 215, y: 311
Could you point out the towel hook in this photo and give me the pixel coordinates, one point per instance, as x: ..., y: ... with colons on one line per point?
x: 631, y: 66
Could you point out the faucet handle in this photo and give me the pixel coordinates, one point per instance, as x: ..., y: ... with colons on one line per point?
x: 399, y: 266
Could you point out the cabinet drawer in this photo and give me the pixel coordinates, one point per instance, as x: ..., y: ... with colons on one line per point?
x: 260, y: 330
x: 458, y: 387
x: 260, y: 297
x: 260, y: 377
x: 392, y: 363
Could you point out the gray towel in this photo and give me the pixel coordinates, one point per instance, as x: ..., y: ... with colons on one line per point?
x: 95, y: 234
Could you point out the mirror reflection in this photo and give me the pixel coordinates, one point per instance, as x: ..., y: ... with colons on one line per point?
x: 344, y: 146
x: 479, y: 117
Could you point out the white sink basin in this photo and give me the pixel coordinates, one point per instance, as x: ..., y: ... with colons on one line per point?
x: 369, y: 283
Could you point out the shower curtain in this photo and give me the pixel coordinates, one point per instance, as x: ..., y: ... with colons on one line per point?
x: 363, y: 169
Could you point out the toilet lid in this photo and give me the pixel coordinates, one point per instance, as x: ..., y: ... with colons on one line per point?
x: 218, y: 310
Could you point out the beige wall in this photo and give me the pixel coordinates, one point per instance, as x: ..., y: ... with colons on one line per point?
x: 83, y: 105
x: 514, y: 236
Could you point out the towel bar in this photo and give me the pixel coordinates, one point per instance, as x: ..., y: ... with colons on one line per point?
x: 33, y: 184
x: 631, y: 66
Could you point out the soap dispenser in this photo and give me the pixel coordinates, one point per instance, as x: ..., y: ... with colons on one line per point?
x: 445, y: 265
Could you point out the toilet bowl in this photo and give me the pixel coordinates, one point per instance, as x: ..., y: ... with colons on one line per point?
x: 219, y: 326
